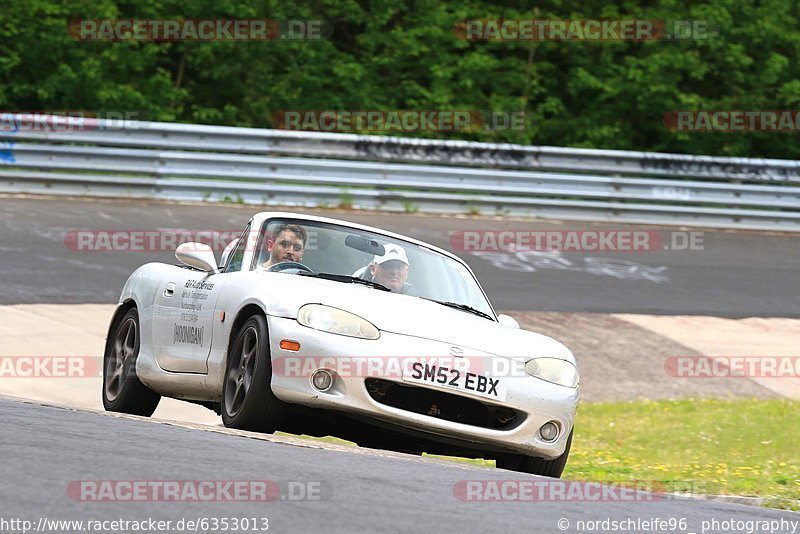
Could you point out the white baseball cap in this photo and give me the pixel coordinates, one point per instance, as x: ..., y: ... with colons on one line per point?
x: 391, y: 252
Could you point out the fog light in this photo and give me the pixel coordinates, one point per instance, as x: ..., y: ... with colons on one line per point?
x: 322, y: 379
x: 549, y: 431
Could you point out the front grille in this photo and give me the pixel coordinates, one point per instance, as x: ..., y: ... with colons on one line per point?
x: 442, y: 405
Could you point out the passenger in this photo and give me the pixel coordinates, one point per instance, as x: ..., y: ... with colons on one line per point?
x: 391, y: 269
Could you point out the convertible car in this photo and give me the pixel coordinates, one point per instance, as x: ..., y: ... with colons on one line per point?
x: 323, y: 327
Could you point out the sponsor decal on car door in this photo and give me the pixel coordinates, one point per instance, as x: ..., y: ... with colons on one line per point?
x: 183, y: 318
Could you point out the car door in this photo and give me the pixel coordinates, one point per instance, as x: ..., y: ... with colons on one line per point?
x: 185, y: 309
x: 183, y: 318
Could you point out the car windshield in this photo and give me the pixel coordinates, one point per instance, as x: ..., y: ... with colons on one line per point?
x: 358, y: 256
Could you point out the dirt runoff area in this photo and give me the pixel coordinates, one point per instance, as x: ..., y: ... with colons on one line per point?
x: 629, y: 357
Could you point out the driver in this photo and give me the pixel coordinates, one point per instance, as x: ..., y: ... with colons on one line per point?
x: 288, y: 245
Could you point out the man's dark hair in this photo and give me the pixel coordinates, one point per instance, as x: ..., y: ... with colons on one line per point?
x: 298, y: 230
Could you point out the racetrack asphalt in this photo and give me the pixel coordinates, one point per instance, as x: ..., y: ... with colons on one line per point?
x: 736, y: 274
x: 54, y: 449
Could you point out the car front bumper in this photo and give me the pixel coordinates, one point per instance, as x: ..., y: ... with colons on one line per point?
x: 536, y: 401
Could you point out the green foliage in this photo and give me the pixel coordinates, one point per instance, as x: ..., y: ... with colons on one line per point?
x: 345, y: 200
x: 473, y: 209
x: 404, y: 55
x: 410, y: 207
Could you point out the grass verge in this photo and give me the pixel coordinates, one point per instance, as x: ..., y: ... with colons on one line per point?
x: 705, y: 446
x: 721, y: 447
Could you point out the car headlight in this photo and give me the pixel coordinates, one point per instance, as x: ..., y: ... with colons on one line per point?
x: 553, y: 370
x: 336, y: 321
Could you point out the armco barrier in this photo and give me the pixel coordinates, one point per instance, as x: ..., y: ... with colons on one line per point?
x: 275, y: 167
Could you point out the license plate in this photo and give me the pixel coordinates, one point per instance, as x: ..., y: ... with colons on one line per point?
x: 458, y: 379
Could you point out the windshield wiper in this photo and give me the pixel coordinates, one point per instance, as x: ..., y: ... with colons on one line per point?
x: 345, y: 278
x: 463, y: 307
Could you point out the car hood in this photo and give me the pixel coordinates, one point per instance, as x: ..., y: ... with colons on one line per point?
x: 411, y: 316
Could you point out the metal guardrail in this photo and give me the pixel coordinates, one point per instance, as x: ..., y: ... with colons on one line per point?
x: 211, y: 163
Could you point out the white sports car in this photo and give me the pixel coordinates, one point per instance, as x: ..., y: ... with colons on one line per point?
x: 323, y: 327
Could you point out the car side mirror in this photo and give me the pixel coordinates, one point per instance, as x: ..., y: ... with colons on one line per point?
x: 197, y: 255
x: 507, y: 320
x: 227, y: 252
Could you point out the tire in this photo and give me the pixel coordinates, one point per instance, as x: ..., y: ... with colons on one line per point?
x: 122, y: 390
x: 247, y: 399
x: 537, y: 466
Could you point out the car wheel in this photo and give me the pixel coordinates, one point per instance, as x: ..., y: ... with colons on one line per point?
x: 537, y: 466
x: 247, y: 399
x: 122, y: 390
